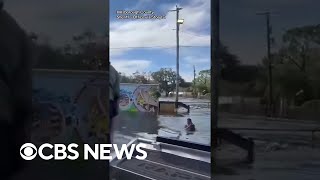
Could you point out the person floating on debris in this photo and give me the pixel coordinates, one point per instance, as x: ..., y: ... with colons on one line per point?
x: 189, y: 126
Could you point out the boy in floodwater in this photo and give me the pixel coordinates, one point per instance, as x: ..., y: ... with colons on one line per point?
x: 189, y: 126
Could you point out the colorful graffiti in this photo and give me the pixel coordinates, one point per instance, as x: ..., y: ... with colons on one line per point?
x: 138, y: 97
x: 69, y: 107
x: 72, y: 105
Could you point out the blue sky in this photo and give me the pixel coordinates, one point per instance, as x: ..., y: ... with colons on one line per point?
x: 160, y: 34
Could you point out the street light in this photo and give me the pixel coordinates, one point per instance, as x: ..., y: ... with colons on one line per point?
x: 180, y: 21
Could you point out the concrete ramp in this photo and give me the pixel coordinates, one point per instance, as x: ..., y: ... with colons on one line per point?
x: 170, y: 107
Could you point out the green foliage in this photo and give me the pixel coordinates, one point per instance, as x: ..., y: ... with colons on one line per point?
x: 156, y: 94
x: 232, y: 70
x: 295, y: 66
x: 203, y: 82
x: 227, y: 59
x: 166, y: 78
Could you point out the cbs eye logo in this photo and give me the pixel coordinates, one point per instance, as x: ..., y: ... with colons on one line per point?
x: 28, y: 151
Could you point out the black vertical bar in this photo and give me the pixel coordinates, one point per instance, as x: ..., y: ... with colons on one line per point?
x: 108, y: 71
x: 215, y: 41
x: 215, y: 69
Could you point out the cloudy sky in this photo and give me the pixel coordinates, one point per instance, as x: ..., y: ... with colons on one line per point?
x: 241, y: 30
x: 157, y: 37
x: 245, y: 32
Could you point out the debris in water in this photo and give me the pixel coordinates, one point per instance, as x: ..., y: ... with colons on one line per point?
x: 275, y: 147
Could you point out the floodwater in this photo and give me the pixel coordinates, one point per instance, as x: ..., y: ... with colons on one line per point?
x: 129, y: 125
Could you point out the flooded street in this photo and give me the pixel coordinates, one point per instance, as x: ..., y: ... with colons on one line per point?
x: 286, y: 154
x: 129, y: 125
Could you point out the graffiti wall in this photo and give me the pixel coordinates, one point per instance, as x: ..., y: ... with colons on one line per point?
x: 139, y: 97
x: 69, y: 106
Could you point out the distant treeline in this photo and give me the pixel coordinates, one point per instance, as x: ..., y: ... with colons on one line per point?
x: 295, y: 67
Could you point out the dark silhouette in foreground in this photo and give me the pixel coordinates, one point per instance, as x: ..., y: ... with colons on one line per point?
x: 15, y: 89
x: 114, y: 95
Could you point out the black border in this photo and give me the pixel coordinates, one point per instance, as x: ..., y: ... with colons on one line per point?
x: 215, y: 71
x: 108, y: 67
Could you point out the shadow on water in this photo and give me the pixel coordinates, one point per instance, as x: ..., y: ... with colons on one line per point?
x: 130, y: 123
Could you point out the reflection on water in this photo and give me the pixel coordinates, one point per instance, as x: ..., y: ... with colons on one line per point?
x: 129, y: 125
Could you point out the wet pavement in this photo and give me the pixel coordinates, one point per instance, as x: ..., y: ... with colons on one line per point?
x: 294, y: 132
x: 287, y: 155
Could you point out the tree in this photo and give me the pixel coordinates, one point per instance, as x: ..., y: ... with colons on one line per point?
x: 92, y: 50
x: 227, y: 59
x: 88, y: 51
x: 204, y: 77
x: 203, y: 81
x: 232, y: 69
x: 298, y: 44
x: 298, y: 53
x: 167, y: 79
x: 140, y: 78
x: 126, y: 79
x: 295, y: 66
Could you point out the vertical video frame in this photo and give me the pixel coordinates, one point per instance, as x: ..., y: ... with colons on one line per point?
x: 161, y: 52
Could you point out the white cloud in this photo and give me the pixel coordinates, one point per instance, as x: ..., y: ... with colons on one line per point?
x: 136, y: 33
x: 192, y: 60
x: 140, y: 5
x: 129, y: 67
x: 187, y: 75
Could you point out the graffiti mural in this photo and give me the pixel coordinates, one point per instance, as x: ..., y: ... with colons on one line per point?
x: 69, y: 106
x: 139, y: 97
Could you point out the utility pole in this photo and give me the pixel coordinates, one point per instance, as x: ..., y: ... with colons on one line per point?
x: 270, y: 104
x: 194, y: 81
x: 178, y: 22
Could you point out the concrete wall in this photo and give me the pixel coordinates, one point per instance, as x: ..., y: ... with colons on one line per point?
x: 138, y: 97
x: 64, y: 101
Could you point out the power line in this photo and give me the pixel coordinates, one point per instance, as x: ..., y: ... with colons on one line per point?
x: 156, y: 47
x: 201, y: 36
x: 184, y: 32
